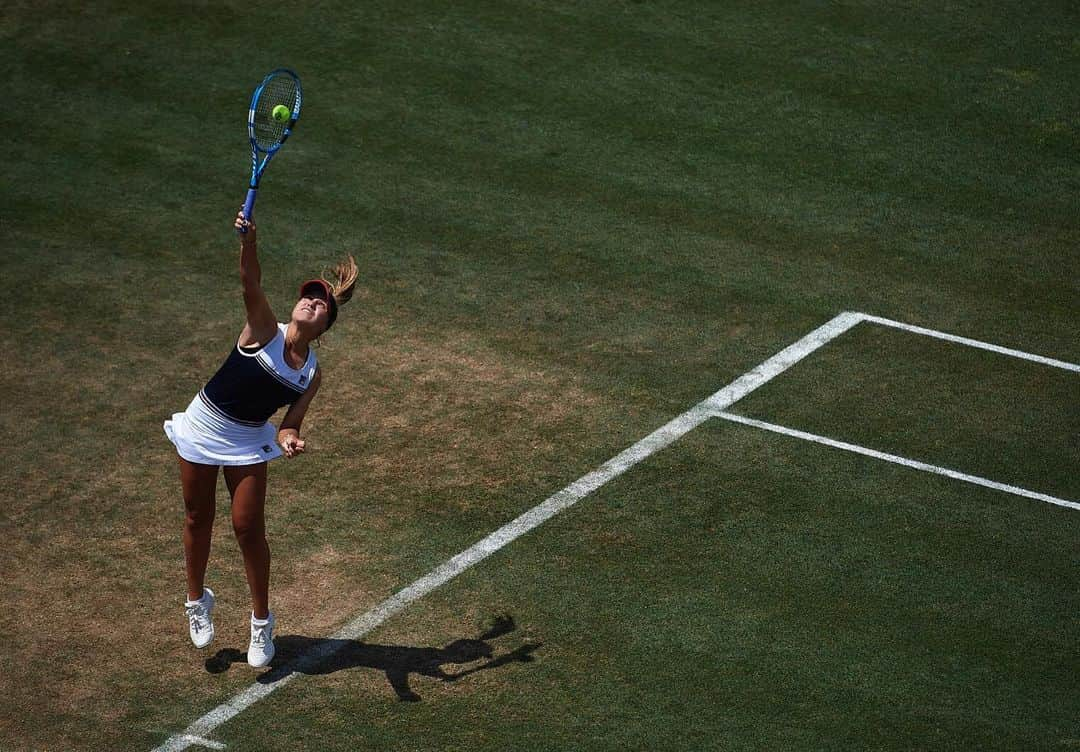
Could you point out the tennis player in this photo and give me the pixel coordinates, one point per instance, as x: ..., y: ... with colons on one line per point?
x: 227, y: 425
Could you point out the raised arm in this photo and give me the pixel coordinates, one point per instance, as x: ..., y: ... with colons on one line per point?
x: 261, y: 325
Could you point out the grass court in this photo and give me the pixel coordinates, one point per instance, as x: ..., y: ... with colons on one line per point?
x: 574, y: 222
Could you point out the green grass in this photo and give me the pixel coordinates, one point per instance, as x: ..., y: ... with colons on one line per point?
x: 574, y: 221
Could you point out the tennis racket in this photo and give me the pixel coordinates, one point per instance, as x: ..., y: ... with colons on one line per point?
x: 280, y: 89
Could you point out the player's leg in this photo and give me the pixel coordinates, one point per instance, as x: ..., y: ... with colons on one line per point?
x: 199, y: 483
x: 247, y: 485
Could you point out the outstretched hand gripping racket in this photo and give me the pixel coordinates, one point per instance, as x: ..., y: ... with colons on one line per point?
x: 267, y: 133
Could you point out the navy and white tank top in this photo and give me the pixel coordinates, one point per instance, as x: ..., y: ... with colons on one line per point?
x: 252, y: 384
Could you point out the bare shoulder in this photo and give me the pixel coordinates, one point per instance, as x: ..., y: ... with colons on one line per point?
x: 252, y: 336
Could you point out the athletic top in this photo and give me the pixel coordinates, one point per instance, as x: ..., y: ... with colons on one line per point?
x: 254, y: 382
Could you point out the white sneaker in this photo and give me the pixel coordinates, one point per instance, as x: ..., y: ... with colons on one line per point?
x: 200, y: 621
x: 261, y: 648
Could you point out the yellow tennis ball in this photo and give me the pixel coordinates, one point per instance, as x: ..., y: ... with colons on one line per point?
x: 281, y: 113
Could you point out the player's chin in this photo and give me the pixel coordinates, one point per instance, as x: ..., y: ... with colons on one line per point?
x: 310, y: 325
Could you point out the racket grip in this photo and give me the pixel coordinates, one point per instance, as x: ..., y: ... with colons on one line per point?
x: 249, y: 206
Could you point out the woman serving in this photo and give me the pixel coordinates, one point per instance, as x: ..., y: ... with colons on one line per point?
x: 227, y: 425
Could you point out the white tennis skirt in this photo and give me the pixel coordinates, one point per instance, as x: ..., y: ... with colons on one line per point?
x: 205, y: 436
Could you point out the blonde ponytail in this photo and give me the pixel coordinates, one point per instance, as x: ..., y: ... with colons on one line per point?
x: 345, y: 273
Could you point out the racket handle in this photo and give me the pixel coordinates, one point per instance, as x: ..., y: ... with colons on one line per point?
x: 249, y: 206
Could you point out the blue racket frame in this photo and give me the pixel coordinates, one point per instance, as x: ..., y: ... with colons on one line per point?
x: 258, y: 167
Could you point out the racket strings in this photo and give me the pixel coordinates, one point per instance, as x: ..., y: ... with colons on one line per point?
x: 280, y: 89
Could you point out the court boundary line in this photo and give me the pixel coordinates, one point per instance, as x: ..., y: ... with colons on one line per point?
x: 714, y: 406
x: 202, y: 742
x: 897, y: 460
x: 1055, y: 363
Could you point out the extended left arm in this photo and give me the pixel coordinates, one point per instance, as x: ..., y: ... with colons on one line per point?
x: 289, y: 431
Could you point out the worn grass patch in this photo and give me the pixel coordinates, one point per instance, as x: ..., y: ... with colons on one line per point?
x: 375, y: 465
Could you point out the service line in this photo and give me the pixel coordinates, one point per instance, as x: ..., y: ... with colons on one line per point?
x: 1053, y: 362
x: 955, y: 474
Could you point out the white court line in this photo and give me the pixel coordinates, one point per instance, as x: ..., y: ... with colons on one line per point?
x: 971, y: 342
x: 197, y: 732
x: 203, y: 742
x: 783, y: 360
x: 899, y: 460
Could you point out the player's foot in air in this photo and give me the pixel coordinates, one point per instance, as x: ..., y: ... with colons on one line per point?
x: 200, y: 619
x: 261, y: 648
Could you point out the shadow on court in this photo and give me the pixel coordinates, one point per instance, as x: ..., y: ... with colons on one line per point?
x: 311, y: 655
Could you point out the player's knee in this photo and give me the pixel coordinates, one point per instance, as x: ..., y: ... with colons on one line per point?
x: 198, y: 519
x: 249, y: 533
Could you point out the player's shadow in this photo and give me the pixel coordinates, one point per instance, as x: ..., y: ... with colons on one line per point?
x: 310, y: 655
